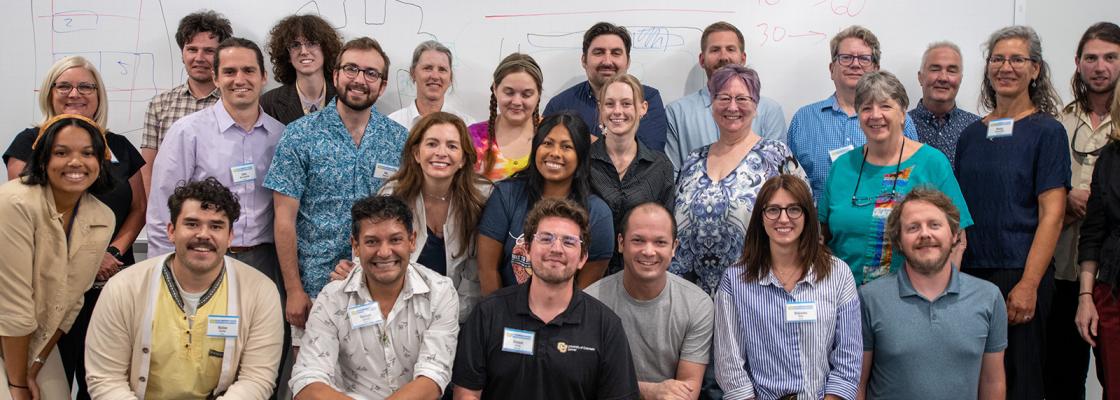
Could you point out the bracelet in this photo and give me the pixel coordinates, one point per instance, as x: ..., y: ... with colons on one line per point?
x: 18, y: 386
x: 1085, y: 293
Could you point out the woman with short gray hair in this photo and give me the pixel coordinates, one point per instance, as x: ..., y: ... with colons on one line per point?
x: 866, y: 183
x: 431, y: 73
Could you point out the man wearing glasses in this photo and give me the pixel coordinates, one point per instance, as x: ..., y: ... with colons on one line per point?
x: 544, y: 339
x: 325, y: 163
x: 302, y: 47
x: 823, y: 131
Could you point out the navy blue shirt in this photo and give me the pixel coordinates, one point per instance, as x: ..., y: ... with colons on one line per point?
x: 1001, y: 179
x: 434, y: 253
x: 581, y: 99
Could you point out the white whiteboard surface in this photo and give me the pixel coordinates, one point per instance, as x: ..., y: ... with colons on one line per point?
x: 132, y: 42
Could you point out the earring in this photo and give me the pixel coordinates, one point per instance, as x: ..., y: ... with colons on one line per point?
x: 1034, y: 83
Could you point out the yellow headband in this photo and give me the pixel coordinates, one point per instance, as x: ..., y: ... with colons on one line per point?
x: 56, y: 118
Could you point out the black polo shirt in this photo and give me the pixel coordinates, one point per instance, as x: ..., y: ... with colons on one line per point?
x: 580, y: 354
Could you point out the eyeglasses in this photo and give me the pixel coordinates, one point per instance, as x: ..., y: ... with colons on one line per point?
x: 887, y: 198
x: 547, y: 239
x: 1015, y: 61
x: 64, y: 88
x: 724, y: 100
x: 309, y: 45
x: 1083, y: 154
x: 848, y: 59
x: 774, y: 212
x: 351, y: 71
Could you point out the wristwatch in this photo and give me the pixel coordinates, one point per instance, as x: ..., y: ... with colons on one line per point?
x: 114, y: 251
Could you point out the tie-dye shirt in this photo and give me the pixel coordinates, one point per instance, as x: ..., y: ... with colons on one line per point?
x: 503, y: 167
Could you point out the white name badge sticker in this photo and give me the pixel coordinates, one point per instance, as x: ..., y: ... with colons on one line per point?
x: 383, y: 171
x: 222, y: 325
x: 998, y: 128
x: 518, y: 341
x: 244, y: 173
x: 836, y: 153
x: 801, y: 311
x: 363, y: 315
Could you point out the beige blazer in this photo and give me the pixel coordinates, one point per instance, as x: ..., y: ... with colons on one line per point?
x: 42, y: 277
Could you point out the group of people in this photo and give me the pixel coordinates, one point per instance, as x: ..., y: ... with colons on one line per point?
x: 609, y: 246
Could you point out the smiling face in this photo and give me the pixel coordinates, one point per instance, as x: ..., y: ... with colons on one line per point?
x: 1099, y: 65
x: 619, y: 111
x: 440, y: 154
x: 73, y: 165
x: 732, y: 108
x: 556, y: 263
x: 432, y: 75
x: 605, y: 57
x: 240, y: 78
x: 881, y: 120
x: 847, y: 76
x: 1009, y: 81
x: 201, y: 237
x: 785, y: 231
x: 722, y: 49
x: 360, y: 92
x: 306, y: 57
x: 940, y: 76
x: 198, y: 57
x: 556, y: 156
x: 384, y: 248
x: 75, y: 102
x: 517, y: 97
x: 647, y: 246
x: 927, y: 239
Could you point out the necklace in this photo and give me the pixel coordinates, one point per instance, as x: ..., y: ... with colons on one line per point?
x: 440, y: 198
x: 894, y: 185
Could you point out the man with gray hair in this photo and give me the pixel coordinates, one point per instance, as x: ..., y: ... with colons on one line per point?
x: 936, y: 117
x: 432, y: 75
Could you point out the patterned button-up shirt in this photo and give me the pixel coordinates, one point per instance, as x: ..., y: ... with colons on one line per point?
x: 941, y: 132
x: 418, y: 338
x: 318, y: 163
x: 168, y: 107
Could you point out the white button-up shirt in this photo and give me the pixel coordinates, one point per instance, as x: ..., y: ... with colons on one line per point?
x: 418, y: 337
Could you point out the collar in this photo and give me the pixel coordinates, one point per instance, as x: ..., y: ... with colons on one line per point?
x: 413, y: 113
x: 706, y: 96
x: 810, y: 279
x: 185, y: 90
x: 832, y: 103
x: 924, y: 113
x: 906, y: 289
x: 173, y: 287
x: 599, y: 151
x: 414, y: 284
x: 225, y: 121
x: 1081, y: 115
x: 583, y: 89
x: 521, y: 305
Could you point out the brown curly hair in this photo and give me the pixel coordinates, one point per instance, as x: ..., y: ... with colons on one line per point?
x: 312, y: 28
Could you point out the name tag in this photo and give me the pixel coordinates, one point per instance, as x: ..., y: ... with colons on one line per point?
x: 998, y: 128
x: 836, y: 153
x: 518, y: 341
x: 801, y: 311
x: 224, y: 326
x: 383, y: 171
x: 364, y: 315
x: 243, y: 173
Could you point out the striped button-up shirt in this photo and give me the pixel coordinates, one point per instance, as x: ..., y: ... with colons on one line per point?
x: 762, y: 356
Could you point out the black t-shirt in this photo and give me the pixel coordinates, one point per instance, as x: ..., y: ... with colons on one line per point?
x: 127, y: 162
x: 580, y: 354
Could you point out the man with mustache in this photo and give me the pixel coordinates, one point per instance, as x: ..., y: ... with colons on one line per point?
x: 189, y: 324
x: 543, y: 339
x: 936, y: 117
x: 606, y: 53
x: 198, y: 37
x: 388, y: 330
x: 325, y: 163
x: 1089, y: 128
x: 823, y: 131
x: 690, y: 118
x: 931, y: 331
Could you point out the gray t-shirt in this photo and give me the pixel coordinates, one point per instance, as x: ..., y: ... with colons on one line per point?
x: 674, y: 326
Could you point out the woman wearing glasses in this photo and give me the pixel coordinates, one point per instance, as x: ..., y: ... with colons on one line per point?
x: 787, y: 303
x: 73, y: 86
x: 865, y: 184
x: 1014, y: 170
x: 718, y: 182
x: 303, y: 49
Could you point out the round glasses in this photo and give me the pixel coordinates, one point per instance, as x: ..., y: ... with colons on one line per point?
x: 774, y: 212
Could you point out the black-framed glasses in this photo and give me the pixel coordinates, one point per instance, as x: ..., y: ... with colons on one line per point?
x: 547, y: 239
x: 351, y: 71
x: 774, y: 212
x: 309, y: 45
x: 64, y: 88
x: 848, y: 59
x: 1083, y: 154
x: 1015, y: 61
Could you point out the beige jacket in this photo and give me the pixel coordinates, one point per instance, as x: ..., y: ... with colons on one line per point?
x: 44, y: 279
x: 117, y: 359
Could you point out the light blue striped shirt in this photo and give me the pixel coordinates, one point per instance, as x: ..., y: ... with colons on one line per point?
x: 762, y: 356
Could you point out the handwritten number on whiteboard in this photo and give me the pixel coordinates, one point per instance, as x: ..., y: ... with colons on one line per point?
x: 68, y: 21
x: 850, y: 8
x: 772, y: 34
x: 124, y: 67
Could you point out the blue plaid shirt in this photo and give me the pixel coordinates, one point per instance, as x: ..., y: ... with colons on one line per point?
x: 318, y: 163
x: 821, y: 127
x: 942, y: 133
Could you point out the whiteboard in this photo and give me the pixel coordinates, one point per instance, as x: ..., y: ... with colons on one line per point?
x: 132, y: 42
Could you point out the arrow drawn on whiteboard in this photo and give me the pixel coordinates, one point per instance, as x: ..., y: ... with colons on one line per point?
x: 819, y: 35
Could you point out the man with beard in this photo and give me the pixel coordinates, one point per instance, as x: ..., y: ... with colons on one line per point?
x: 198, y: 37
x: 543, y: 339
x: 190, y: 324
x: 1089, y: 128
x: 668, y: 320
x: 389, y: 328
x: 325, y: 163
x: 690, y: 118
x: 936, y: 117
x: 931, y: 332
x: 606, y: 53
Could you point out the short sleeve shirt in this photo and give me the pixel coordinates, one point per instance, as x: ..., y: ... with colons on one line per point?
x: 503, y: 167
x: 1001, y: 179
x: 318, y: 163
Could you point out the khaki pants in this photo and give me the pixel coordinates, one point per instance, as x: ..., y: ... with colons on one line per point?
x: 52, y: 380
